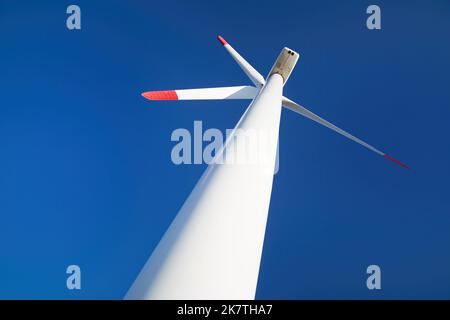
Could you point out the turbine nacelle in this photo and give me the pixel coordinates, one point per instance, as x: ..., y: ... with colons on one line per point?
x: 285, y: 64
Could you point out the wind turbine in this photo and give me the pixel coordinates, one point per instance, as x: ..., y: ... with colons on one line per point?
x: 212, y: 249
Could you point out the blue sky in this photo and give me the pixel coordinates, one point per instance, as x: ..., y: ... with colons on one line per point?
x: 85, y: 170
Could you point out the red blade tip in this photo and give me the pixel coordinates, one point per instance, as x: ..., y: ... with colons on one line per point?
x: 160, y: 95
x: 222, y: 40
x: 396, y: 161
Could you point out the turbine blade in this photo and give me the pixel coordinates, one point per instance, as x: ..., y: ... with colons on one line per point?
x: 223, y: 93
x: 291, y: 105
x: 251, y: 72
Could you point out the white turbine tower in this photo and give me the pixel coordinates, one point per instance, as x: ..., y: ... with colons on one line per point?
x: 212, y: 249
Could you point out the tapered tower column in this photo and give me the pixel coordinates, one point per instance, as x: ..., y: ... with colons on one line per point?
x: 212, y: 249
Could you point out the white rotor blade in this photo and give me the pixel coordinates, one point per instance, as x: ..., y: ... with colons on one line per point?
x: 239, y: 92
x: 251, y: 72
x: 291, y: 105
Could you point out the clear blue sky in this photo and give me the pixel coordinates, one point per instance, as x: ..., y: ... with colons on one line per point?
x: 85, y: 170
